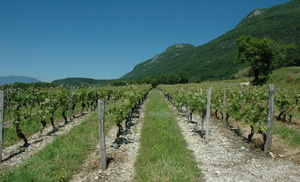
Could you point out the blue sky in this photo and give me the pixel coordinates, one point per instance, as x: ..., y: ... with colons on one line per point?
x: 55, y: 39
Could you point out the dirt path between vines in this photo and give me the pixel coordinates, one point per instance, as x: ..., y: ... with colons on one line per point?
x: 225, y: 157
x: 121, y: 155
x: 15, y: 154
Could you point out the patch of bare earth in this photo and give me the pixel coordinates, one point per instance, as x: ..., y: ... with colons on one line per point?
x: 15, y: 154
x: 227, y: 157
x: 280, y: 148
x: 121, y: 155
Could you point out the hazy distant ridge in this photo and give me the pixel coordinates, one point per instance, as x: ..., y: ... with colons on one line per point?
x: 13, y: 79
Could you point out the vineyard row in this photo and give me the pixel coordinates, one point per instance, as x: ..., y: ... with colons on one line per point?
x: 30, y: 108
x: 249, y: 105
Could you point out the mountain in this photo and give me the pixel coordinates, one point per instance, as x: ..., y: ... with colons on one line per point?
x: 216, y: 59
x: 164, y: 60
x: 13, y: 79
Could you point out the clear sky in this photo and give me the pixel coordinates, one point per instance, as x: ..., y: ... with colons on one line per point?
x: 105, y: 39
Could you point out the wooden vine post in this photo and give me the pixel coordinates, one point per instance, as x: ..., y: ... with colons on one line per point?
x: 101, y: 107
x: 188, y: 107
x: 207, y: 115
x: 268, y: 143
x: 224, y: 106
x: 8, y: 103
x: 1, y: 121
x: 71, y: 102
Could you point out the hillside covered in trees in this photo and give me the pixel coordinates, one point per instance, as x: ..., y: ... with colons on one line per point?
x: 217, y: 59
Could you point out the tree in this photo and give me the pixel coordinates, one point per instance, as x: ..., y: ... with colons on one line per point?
x: 154, y: 82
x: 262, y: 54
x: 147, y: 80
x: 183, y: 77
x: 118, y: 83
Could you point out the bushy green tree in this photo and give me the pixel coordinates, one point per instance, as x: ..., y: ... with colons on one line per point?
x: 262, y: 55
x: 118, y: 83
x: 154, y: 82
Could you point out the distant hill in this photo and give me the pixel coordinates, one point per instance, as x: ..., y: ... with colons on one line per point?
x: 81, y: 81
x: 216, y: 59
x: 13, y: 79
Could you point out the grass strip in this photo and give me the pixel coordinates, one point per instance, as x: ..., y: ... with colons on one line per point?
x: 289, y: 135
x: 62, y: 158
x: 163, y: 155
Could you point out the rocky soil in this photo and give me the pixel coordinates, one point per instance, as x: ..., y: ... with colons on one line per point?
x: 121, y: 155
x: 226, y: 156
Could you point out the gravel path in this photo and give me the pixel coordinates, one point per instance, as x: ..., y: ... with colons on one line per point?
x: 121, y: 155
x: 224, y: 157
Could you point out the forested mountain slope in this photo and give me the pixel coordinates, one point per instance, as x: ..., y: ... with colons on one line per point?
x: 216, y: 59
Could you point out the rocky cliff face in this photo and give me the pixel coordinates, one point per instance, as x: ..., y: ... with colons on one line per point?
x: 252, y: 14
x: 255, y: 13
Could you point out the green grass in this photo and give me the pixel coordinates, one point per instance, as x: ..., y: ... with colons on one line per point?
x: 286, y: 75
x: 62, y: 158
x: 163, y: 155
x: 289, y: 135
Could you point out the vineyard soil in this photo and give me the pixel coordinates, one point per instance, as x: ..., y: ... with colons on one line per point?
x: 121, y: 155
x: 280, y: 147
x: 225, y: 158
x: 228, y: 158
